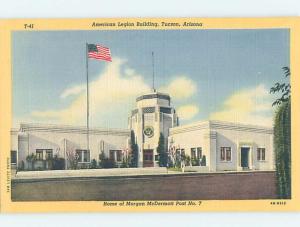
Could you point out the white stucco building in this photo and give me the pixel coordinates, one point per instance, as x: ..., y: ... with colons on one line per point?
x: 50, y: 140
x: 226, y: 146
x: 219, y: 146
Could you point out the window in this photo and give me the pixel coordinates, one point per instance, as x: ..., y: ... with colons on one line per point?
x: 43, y: 154
x: 156, y: 157
x: 83, y: 155
x: 39, y: 154
x: 199, y: 152
x: 13, y: 157
x: 112, y: 155
x: 115, y: 155
x: 193, y: 153
x: 196, y: 153
x: 119, y: 156
x: 86, y: 156
x: 182, y: 152
x: 49, y: 154
x: 261, y: 154
x: 79, y: 155
x: 226, y: 154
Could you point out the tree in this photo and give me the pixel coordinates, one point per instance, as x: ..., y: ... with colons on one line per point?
x: 72, y: 158
x: 284, y: 88
x: 282, y: 137
x: 161, y: 151
x: 203, y: 160
x: 94, y: 164
x: 134, y: 151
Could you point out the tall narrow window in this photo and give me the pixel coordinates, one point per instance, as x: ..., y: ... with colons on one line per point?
x: 261, y: 154
x: 199, y: 152
x: 39, y: 154
x: 49, y: 153
x: 112, y: 155
x: 86, y: 156
x: 119, y: 156
x: 193, y: 153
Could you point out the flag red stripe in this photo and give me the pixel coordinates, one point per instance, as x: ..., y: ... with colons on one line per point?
x: 99, y: 53
x: 94, y: 53
x: 100, y: 56
x: 103, y: 53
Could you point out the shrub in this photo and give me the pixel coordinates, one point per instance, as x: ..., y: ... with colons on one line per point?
x: 22, y: 166
x: 203, y: 161
x: 107, y: 163
x: 58, y: 163
x: 94, y: 164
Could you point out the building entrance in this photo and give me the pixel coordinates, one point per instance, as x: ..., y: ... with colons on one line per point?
x: 148, y: 158
x: 245, y: 157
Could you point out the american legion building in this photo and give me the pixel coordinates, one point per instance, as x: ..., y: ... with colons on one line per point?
x: 226, y: 146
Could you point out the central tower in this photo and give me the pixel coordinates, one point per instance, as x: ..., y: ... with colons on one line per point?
x: 153, y: 115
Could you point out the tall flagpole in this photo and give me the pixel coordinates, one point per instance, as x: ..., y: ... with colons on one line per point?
x: 87, y: 100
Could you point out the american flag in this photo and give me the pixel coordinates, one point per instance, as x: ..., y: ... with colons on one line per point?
x: 99, y: 52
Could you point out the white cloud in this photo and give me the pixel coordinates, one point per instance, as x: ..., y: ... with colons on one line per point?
x: 75, y: 90
x: 112, y: 97
x: 180, y: 88
x: 110, y: 93
x: 187, y: 112
x: 250, y: 106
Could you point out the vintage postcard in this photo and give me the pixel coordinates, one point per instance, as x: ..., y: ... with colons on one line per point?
x: 149, y: 114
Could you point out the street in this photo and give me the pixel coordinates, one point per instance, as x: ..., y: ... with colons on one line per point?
x: 248, y: 185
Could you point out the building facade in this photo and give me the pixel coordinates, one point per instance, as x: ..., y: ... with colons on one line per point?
x: 215, y: 145
x: 45, y: 141
x: 152, y: 117
x: 226, y: 146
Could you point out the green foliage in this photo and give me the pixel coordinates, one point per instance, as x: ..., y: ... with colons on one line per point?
x: 282, y: 147
x: 203, y: 160
x: 282, y: 136
x: 31, y: 160
x: 187, y: 160
x: 195, y: 162
x: 58, y: 163
x: 106, y: 163
x: 94, y: 164
x: 134, y: 151
x: 283, y: 88
x: 161, y: 151
x: 177, y: 169
x: 125, y: 163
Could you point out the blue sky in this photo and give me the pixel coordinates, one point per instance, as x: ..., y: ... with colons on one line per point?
x: 210, y: 74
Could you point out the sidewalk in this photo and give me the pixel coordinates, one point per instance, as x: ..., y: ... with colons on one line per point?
x: 91, y: 173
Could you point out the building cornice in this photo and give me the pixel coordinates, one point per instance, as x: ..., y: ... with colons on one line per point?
x: 33, y: 127
x: 240, y: 127
x: 221, y: 125
x: 190, y: 127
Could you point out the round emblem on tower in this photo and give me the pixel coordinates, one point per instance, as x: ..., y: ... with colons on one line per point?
x: 149, y: 131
